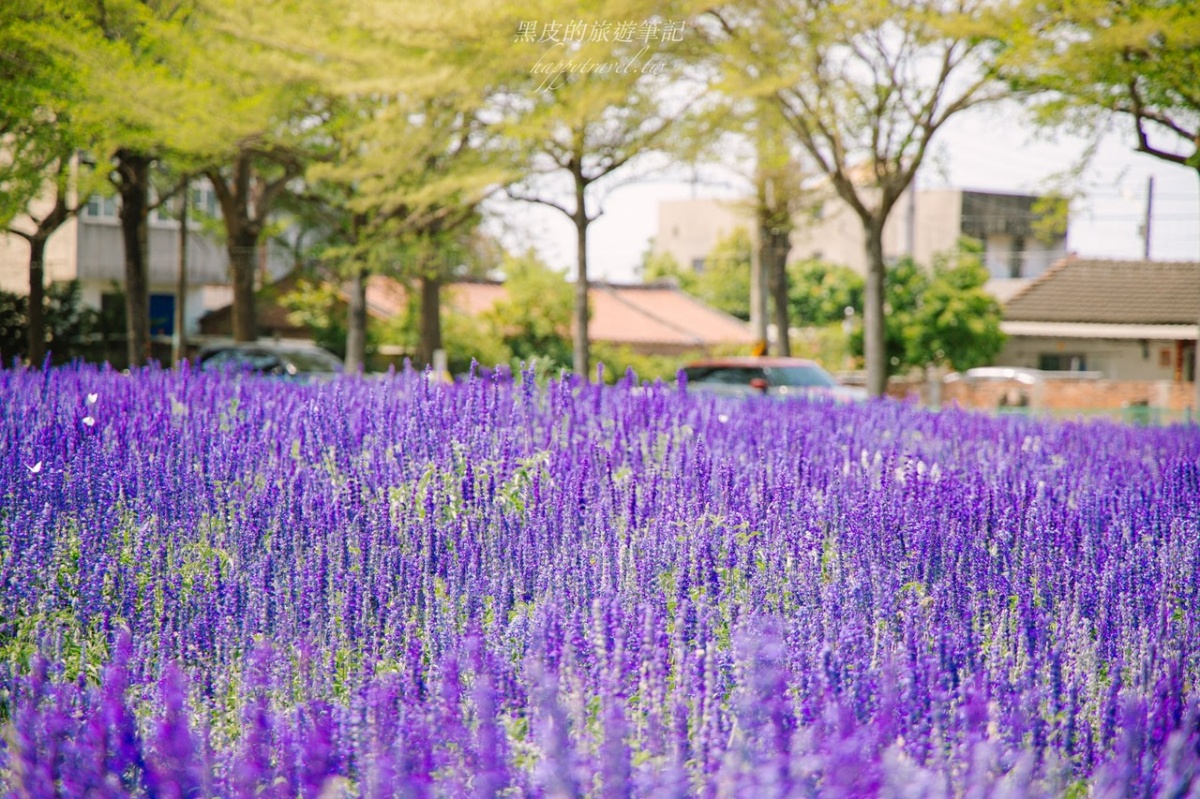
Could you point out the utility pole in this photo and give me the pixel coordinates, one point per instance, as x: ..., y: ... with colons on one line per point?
x: 1146, y: 221
x: 179, y: 340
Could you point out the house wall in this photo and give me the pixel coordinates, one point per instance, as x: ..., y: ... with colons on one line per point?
x: 689, y: 229
x: 102, y: 253
x: 1116, y: 359
x: 939, y: 223
x: 59, y: 264
x: 836, y: 236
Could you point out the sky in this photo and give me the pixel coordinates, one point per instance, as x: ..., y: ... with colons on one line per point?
x: 983, y: 150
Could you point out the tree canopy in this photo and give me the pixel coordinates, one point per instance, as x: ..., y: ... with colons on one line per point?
x: 864, y: 89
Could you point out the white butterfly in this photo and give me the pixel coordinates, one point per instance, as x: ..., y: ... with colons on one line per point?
x: 89, y: 421
x: 91, y: 398
x: 35, y: 468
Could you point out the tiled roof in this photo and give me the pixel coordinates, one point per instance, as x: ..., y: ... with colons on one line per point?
x: 643, y: 316
x: 1111, y: 292
x: 634, y: 315
x: 660, y: 315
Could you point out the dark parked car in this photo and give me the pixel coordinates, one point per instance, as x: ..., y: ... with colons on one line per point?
x: 288, y: 360
x: 776, y: 377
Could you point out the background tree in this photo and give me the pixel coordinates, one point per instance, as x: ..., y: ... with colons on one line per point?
x: 534, y: 319
x: 657, y: 267
x: 724, y: 282
x: 588, y: 127
x: 779, y: 196
x: 134, y: 60
x: 863, y: 89
x: 413, y: 144
x: 277, y: 111
x: 820, y: 293
x: 41, y: 179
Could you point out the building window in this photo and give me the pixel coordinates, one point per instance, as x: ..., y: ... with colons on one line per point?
x: 1016, y: 258
x: 1062, y: 362
x: 101, y: 207
x: 203, y: 200
x: 698, y: 265
x: 162, y: 314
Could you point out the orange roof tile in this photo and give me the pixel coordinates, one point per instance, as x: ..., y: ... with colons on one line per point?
x: 634, y: 315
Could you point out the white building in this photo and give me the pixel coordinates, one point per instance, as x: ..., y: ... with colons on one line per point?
x: 922, y: 225
x: 1127, y: 320
x: 89, y: 248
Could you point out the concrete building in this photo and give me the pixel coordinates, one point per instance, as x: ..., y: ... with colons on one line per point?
x: 1126, y: 320
x: 928, y: 223
x: 89, y: 248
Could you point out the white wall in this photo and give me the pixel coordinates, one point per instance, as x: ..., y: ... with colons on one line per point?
x: 59, y: 264
x: 1118, y: 359
x: 689, y: 229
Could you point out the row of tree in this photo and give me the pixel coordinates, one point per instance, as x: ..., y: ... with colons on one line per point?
x: 382, y: 125
x: 938, y: 314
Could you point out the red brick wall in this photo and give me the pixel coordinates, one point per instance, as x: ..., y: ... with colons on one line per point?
x: 1054, y: 395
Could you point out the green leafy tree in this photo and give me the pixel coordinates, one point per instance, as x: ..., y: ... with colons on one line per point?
x: 470, y: 339
x: 820, y: 293
x: 863, y: 89
x: 318, y: 306
x: 412, y: 143
x: 277, y: 117
x: 957, y: 322
x: 42, y: 183
x: 135, y: 62
x: 534, y: 319
x: 659, y: 266
x: 587, y: 129
x: 724, y: 281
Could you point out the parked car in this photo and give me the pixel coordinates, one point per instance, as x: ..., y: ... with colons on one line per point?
x: 775, y: 377
x: 296, y: 360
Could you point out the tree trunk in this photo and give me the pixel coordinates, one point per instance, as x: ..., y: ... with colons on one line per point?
x: 581, y: 353
x: 37, y: 301
x: 431, y: 319
x: 134, y: 187
x: 179, y: 345
x: 776, y: 257
x: 356, y: 322
x: 243, y: 260
x: 874, y: 342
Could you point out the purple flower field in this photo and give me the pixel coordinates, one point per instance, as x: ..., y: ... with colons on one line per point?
x: 395, y: 587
